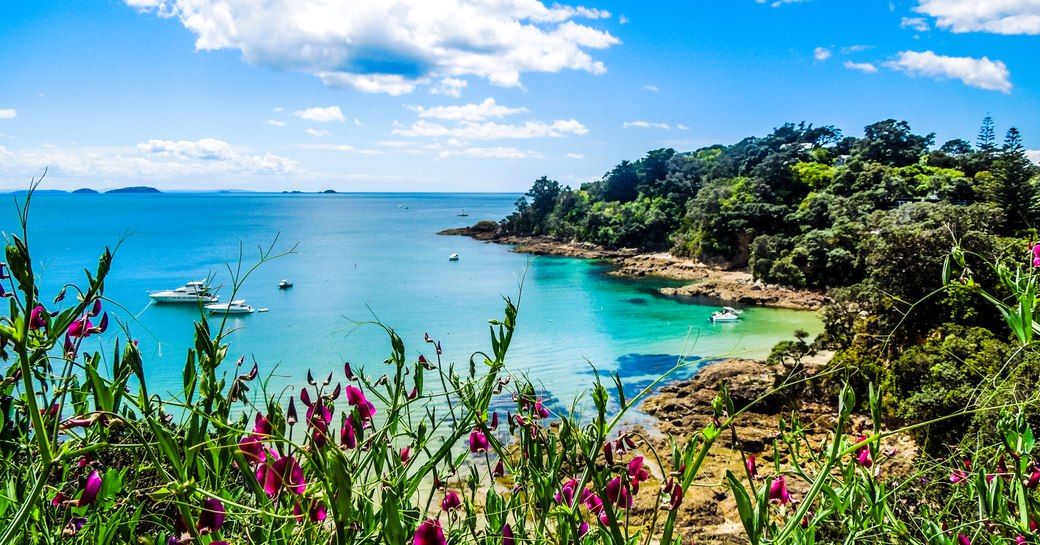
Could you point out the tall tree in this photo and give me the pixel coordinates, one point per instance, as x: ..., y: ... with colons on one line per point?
x: 1012, y: 171
x: 987, y: 141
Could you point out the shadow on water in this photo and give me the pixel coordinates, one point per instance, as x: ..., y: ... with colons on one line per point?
x: 637, y: 371
x: 636, y: 301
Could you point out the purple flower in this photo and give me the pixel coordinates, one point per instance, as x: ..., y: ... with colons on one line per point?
x: 863, y: 457
x: 478, y: 442
x: 778, y: 491
x: 286, y: 473
x: 674, y: 492
x: 451, y: 501
x: 540, y: 411
x: 499, y: 470
x: 637, y: 473
x: 252, y: 448
x: 317, y: 512
x: 963, y: 539
x: 348, y: 372
x: 356, y: 398
x: 37, y: 318
x: 429, y: 533
x: 81, y: 328
x: 494, y: 421
x: 90, y: 490
x: 583, y: 529
x: 1034, y: 480
x: 618, y: 493
x: 346, y: 435
x: 406, y: 454
x: 507, y: 535
x: 74, y: 526
x: 566, y: 494
x: 751, y: 467
x: 212, y: 516
x: 592, y: 502
x: 262, y: 425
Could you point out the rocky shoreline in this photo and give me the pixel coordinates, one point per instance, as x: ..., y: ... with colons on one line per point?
x: 683, y: 408
x: 730, y: 286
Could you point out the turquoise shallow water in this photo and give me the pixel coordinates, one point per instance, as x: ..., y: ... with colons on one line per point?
x: 373, y: 256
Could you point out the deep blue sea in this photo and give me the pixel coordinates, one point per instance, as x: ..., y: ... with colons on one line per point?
x: 366, y: 257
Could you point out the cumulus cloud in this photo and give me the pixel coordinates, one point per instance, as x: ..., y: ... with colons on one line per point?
x: 395, y: 46
x: 8, y: 113
x: 318, y: 132
x: 861, y: 66
x: 982, y: 73
x: 346, y: 148
x: 998, y: 17
x: 821, y: 53
x: 275, y: 123
x: 468, y: 112
x: 490, y: 130
x: 915, y: 23
x: 332, y: 113
x: 209, y: 149
x: 644, y: 125
x: 451, y: 87
x: 1034, y: 155
x: 152, y: 160
x: 490, y: 153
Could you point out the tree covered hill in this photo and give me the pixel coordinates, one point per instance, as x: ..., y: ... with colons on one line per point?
x: 799, y: 206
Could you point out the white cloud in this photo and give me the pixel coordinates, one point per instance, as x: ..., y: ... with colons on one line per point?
x: 153, y: 160
x: 468, y: 130
x: 779, y: 3
x: 275, y: 123
x: 451, y: 87
x: 491, y: 153
x: 821, y: 53
x: 8, y: 113
x: 854, y: 49
x: 644, y: 124
x: 208, y: 148
x: 395, y: 46
x: 341, y: 147
x: 915, y: 23
x: 995, y: 16
x: 651, y: 88
x: 332, y: 113
x: 623, y: 20
x: 861, y: 66
x: 318, y: 132
x: 982, y: 73
x: 1034, y: 155
x: 682, y: 127
x: 575, y: 156
x: 468, y: 112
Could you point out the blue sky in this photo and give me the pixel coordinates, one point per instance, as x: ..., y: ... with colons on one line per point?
x: 478, y: 95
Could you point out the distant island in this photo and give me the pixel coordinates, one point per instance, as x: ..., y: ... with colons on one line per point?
x: 135, y: 189
x: 86, y: 190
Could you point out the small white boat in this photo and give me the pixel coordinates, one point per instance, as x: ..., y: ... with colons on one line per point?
x: 237, y: 306
x: 285, y: 284
x: 192, y: 292
x: 453, y: 257
x: 724, y: 316
x: 733, y: 311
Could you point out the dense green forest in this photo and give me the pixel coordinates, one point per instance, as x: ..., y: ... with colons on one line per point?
x: 870, y: 220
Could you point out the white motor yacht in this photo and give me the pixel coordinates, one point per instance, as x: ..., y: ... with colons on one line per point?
x: 237, y: 306
x: 192, y: 292
x: 724, y: 316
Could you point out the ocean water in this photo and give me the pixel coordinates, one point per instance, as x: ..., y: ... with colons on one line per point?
x: 362, y: 258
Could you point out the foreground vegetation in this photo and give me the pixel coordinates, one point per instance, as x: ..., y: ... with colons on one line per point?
x: 426, y: 451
